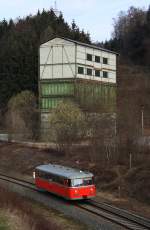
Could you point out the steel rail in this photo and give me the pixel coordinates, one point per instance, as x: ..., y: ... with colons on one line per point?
x: 17, y: 181
x: 113, y: 214
x: 144, y: 222
x: 116, y: 215
x: 15, y: 178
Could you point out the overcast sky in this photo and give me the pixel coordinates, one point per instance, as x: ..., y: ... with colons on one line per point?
x: 94, y: 16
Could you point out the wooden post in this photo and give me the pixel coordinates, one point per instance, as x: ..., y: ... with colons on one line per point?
x: 130, y: 164
x: 119, y: 191
x: 142, y: 121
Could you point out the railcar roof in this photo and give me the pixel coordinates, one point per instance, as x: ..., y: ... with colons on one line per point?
x: 63, y: 171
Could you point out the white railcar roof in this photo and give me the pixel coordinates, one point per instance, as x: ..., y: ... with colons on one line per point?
x: 66, y: 172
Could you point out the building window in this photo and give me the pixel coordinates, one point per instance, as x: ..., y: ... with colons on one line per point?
x: 89, y: 57
x: 97, y: 73
x: 105, y: 74
x: 105, y: 61
x: 80, y: 70
x: 97, y: 59
x: 89, y: 72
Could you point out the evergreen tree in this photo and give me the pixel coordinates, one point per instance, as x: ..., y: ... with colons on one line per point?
x: 19, y: 44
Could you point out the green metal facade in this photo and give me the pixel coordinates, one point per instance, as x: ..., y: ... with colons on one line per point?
x: 96, y: 97
x: 90, y: 95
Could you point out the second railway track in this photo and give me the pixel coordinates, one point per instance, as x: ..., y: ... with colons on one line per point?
x: 112, y: 214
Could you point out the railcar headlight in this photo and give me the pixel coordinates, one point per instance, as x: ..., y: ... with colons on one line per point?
x: 76, y: 192
x: 91, y: 190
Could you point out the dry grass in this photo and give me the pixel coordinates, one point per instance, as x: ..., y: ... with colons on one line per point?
x: 22, y: 215
x: 3, y: 221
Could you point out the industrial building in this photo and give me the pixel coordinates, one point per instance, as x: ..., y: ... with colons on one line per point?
x: 73, y: 70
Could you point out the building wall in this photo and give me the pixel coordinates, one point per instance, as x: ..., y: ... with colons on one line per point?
x: 96, y: 97
x: 53, y: 92
x: 60, y: 59
x: 57, y: 60
x: 91, y: 96
x: 110, y: 67
x: 60, y: 80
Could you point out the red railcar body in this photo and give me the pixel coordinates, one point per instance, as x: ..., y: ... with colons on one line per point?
x: 67, y: 182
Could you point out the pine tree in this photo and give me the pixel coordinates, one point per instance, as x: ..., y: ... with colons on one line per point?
x: 19, y: 44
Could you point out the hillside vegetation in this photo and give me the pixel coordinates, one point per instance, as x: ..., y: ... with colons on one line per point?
x: 19, y: 43
x: 131, y: 36
x: 20, y: 40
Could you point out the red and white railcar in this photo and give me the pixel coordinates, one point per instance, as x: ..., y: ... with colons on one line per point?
x: 67, y: 182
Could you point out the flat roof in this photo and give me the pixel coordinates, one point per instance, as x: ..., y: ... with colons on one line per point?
x: 63, y: 171
x: 85, y: 44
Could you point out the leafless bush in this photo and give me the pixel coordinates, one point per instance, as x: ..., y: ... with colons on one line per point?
x: 102, y: 138
x: 22, y: 115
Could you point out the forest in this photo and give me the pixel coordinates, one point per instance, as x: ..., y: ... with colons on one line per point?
x: 19, y: 43
x: 21, y: 38
x: 131, y: 36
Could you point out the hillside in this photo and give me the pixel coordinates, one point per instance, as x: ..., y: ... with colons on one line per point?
x: 131, y: 36
x: 20, y: 39
x: 19, y: 43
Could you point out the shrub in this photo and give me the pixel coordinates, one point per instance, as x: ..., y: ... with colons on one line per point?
x: 22, y: 115
x: 68, y: 123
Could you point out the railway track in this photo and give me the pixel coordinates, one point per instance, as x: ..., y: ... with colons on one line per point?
x: 115, y: 215
x: 17, y: 181
x: 136, y: 219
x: 112, y: 214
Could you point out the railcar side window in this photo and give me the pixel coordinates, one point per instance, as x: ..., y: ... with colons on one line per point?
x: 69, y: 182
x: 43, y: 175
x: 58, y: 179
x: 54, y: 178
x: 88, y: 181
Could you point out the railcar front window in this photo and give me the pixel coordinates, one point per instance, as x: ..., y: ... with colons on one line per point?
x: 77, y: 182
x: 82, y: 182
